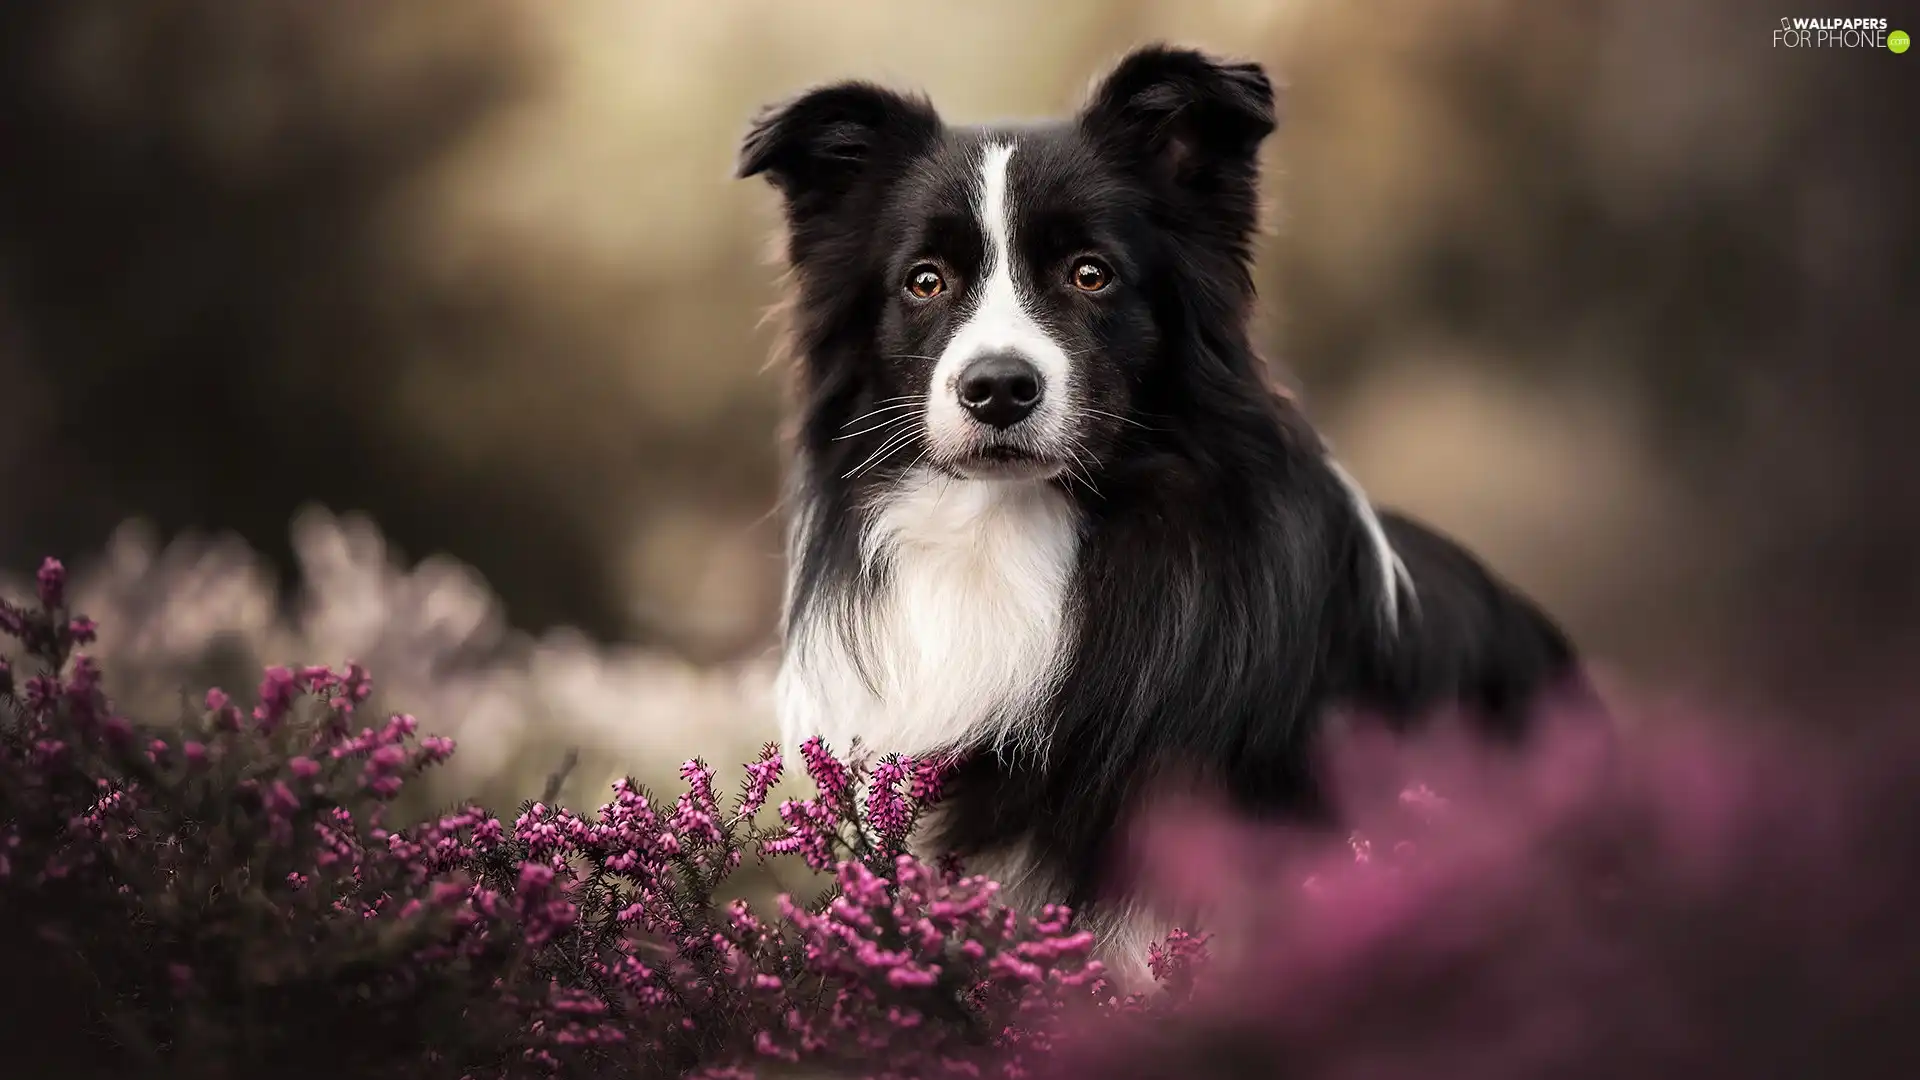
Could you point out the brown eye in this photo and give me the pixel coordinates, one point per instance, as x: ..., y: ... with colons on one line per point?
x: 1091, y: 275
x: 925, y: 282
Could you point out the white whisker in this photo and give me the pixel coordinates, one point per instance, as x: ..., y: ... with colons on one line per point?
x: 1084, y: 475
x: 882, y: 426
x: 882, y: 409
x: 1116, y: 416
x: 894, y: 442
x: 888, y: 454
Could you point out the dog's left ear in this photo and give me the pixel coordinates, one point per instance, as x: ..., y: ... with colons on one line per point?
x: 1185, y: 118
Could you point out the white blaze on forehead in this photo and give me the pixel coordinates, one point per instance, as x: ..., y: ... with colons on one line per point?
x: 996, y: 218
x: 1001, y: 319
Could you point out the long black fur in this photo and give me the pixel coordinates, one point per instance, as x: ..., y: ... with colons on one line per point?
x: 1227, y: 596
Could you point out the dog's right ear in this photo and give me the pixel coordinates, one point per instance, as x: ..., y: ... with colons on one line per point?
x: 818, y: 146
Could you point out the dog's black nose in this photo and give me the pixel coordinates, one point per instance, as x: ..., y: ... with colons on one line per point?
x: 1000, y: 389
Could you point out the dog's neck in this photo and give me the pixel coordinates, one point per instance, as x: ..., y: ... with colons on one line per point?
x: 952, y: 629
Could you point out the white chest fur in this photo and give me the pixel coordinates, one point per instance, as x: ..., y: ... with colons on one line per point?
x: 965, y: 640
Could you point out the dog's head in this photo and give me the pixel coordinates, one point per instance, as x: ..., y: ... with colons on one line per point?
x: 997, y: 302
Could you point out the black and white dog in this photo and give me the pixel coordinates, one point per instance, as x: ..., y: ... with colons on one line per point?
x: 1047, y: 511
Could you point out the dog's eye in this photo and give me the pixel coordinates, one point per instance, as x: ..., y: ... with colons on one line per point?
x: 925, y: 282
x: 1091, y: 275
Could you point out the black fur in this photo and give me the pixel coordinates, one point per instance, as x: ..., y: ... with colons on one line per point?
x: 1227, y: 596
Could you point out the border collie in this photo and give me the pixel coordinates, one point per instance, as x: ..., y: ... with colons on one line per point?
x: 1048, y: 515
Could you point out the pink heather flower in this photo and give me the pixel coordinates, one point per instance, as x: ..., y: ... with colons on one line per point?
x: 695, y: 813
x: 83, y: 631
x: 48, y: 752
x: 359, y: 683
x: 278, y: 688
x: 52, y: 580
x: 195, y: 753
x: 83, y: 684
x: 829, y: 775
x: 541, y: 915
x: 929, y: 778
x: 85, y: 676
x: 811, y: 829
x: 41, y: 691
x: 435, y: 749
x: 535, y: 877
x: 304, y: 767
x: 280, y: 799
x: 226, y: 715
x: 1177, y: 955
x: 762, y: 774
x: 887, y: 810
x: 699, y: 778
x: 917, y: 977
x: 318, y: 677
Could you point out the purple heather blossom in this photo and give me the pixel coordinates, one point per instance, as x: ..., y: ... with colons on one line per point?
x: 41, y: 690
x: 226, y: 715
x: 888, y: 810
x: 580, y: 932
x: 278, y: 687
x: 52, y: 581
x: 811, y: 833
x: 762, y: 774
x: 830, y: 776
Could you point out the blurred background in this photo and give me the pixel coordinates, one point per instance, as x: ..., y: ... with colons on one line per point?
x: 430, y: 335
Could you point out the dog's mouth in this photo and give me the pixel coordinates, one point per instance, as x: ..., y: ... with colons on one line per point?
x: 1006, y: 455
x: 1002, y: 462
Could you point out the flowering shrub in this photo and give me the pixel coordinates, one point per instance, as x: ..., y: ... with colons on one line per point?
x: 231, y: 889
x: 233, y: 893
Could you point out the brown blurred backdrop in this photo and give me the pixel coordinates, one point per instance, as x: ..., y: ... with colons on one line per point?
x: 1612, y: 290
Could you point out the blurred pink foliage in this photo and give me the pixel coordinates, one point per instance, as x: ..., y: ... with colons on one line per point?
x: 1688, y: 901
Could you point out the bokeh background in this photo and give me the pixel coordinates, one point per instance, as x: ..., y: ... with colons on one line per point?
x: 431, y: 334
